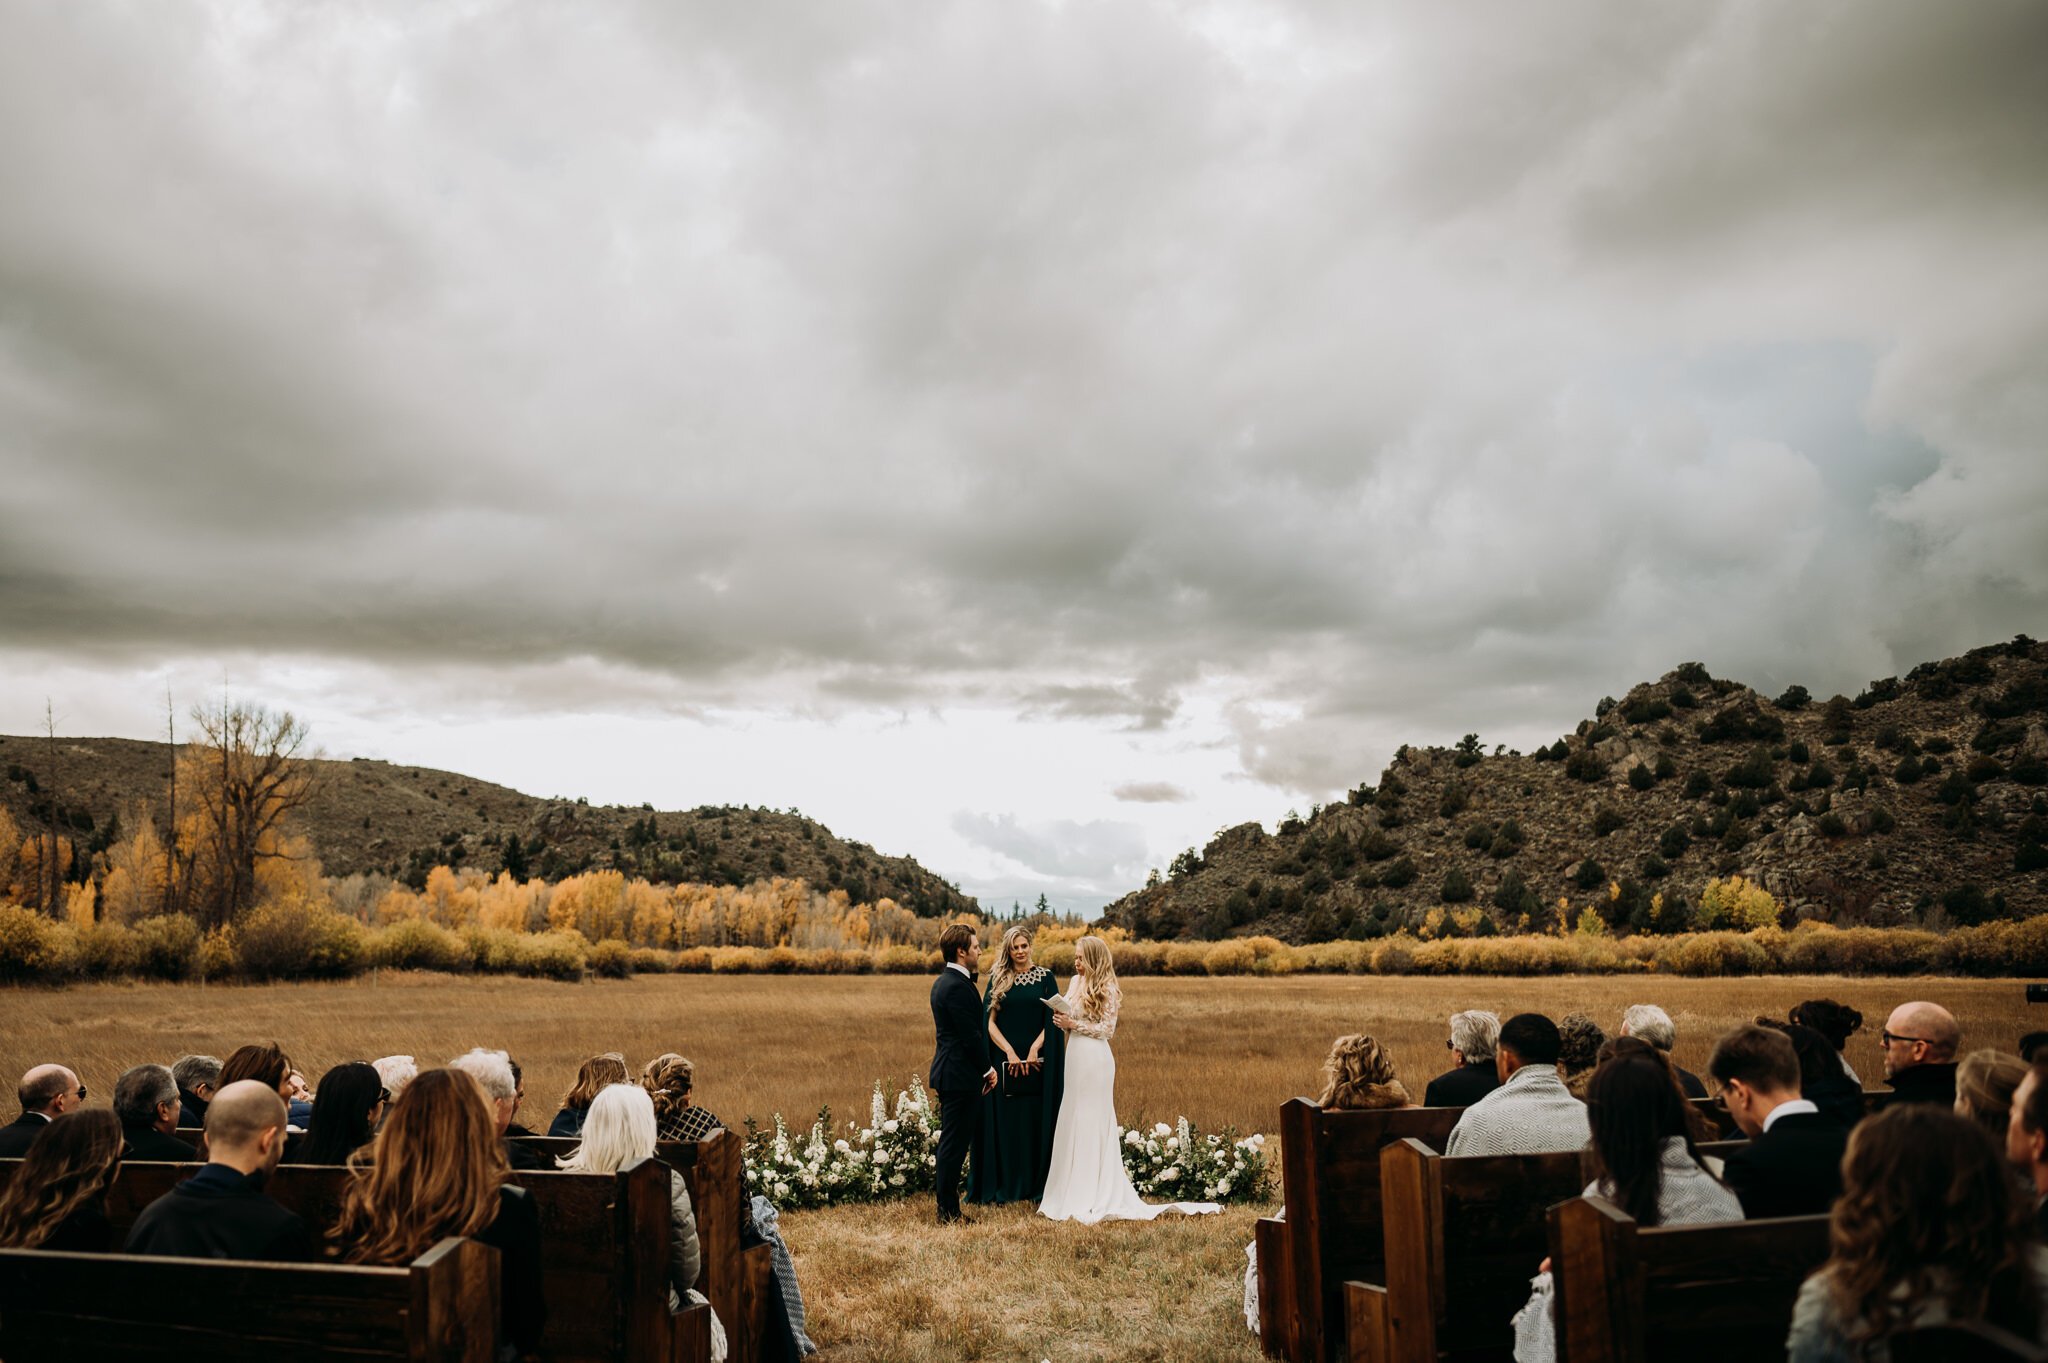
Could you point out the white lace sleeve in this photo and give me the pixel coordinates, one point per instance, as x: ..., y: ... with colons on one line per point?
x: 1103, y: 1030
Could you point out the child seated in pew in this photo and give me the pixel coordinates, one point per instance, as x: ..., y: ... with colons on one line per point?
x: 1644, y: 1160
x: 57, y: 1199
x: 1358, y: 1075
x: 617, y: 1131
x: 1927, y: 1230
x: 437, y: 1168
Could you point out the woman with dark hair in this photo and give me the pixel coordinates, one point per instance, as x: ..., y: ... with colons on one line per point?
x: 591, y: 1077
x: 1835, y: 1021
x: 1644, y: 1160
x: 57, y: 1199
x: 1927, y: 1230
x: 1824, y: 1079
x: 346, y: 1110
x: 437, y: 1168
x: 1698, y: 1124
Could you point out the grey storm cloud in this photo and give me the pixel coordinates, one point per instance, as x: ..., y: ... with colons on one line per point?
x: 1097, y: 851
x: 1388, y: 365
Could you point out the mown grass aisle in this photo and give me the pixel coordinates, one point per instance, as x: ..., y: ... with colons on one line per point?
x: 883, y: 1284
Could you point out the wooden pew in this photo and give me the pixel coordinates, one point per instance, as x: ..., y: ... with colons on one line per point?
x: 604, y: 1251
x: 1277, y: 1335
x: 442, y: 1308
x: 1330, y: 1171
x: 1676, y: 1294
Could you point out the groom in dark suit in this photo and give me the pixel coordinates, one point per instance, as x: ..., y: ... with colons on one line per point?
x: 960, y: 1073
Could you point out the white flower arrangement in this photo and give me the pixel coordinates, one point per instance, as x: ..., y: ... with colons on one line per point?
x: 895, y: 1155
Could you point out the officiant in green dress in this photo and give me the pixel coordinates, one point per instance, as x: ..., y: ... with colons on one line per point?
x: 1028, y: 1054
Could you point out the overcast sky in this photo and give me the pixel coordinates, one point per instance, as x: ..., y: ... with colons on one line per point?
x: 1025, y: 436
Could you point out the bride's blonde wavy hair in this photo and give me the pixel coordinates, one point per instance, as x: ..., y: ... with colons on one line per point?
x: 1004, y: 975
x: 1101, y: 993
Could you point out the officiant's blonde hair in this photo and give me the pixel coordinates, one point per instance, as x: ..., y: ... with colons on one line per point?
x: 1101, y: 993
x: 1004, y: 975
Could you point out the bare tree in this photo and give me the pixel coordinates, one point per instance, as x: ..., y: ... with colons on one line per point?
x: 53, y: 863
x: 252, y: 775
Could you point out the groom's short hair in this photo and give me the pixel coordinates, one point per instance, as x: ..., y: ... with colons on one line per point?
x: 953, y: 939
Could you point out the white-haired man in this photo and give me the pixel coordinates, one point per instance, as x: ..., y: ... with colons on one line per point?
x: 1648, y: 1022
x: 1473, y: 1074
x: 493, y: 1073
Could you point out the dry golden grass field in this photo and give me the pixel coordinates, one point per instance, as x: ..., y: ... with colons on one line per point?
x: 884, y: 1283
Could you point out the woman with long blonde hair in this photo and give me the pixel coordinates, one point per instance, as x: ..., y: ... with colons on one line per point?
x: 437, y: 1168
x: 1087, y: 1181
x: 1019, y: 1116
x: 57, y: 1199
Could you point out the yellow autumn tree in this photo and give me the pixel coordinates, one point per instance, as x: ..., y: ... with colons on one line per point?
x: 134, y: 885
x: 1737, y: 903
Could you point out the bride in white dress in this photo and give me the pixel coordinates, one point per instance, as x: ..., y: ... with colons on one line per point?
x: 1087, y: 1181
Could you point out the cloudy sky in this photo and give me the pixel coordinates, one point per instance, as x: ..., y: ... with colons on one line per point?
x: 1028, y: 436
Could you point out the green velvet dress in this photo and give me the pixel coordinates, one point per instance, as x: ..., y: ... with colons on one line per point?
x: 1017, y: 1120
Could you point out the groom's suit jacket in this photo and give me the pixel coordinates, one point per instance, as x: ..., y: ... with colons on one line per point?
x: 962, y: 1056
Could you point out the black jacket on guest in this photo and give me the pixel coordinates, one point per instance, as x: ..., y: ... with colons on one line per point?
x: 1924, y: 1084
x: 961, y: 1060
x: 148, y: 1143
x: 85, y: 1231
x: 515, y: 1234
x: 191, y: 1111
x: 1690, y: 1082
x: 1462, y: 1086
x: 18, y: 1135
x: 1793, y: 1169
x: 520, y: 1155
x: 220, y: 1213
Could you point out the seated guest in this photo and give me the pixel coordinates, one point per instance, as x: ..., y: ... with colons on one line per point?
x: 1653, y: 1024
x: 396, y: 1071
x: 198, y: 1076
x: 47, y: 1092
x: 57, y: 1199
x: 1532, y: 1111
x: 2031, y: 1046
x: 1985, y: 1083
x: 1822, y: 1079
x: 1644, y: 1162
x: 1472, y: 1075
x: 1920, y: 1044
x: 594, y: 1074
x: 221, y: 1212
x: 436, y: 1169
x: 669, y: 1079
x: 346, y: 1111
x: 298, y: 1100
x: 266, y: 1064
x: 146, y: 1101
x: 1792, y: 1163
x: 1579, y: 1040
x: 1925, y: 1232
x: 2026, y: 1137
x: 1835, y: 1021
x: 1702, y: 1127
x: 1358, y: 1074
x: 515, y: 1129
x: 492, y: 1071
x: 618, y: 1131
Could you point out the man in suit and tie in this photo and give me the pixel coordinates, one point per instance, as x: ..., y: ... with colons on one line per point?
x: 1473, y: 1074
x: 1792, y: 1164
x: 960, y: 1073
x: 47, y: 1092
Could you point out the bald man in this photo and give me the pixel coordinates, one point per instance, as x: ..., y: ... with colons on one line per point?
x: 1920, y: 1042
x: 47, y: 1092
x: 222, y: 1212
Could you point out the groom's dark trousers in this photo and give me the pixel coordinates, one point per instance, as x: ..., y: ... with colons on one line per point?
x: 958, y: 1069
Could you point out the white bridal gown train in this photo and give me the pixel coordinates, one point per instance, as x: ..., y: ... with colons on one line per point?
x: 1087, y: 1181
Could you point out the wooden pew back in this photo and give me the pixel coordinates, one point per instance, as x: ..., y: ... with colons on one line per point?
x: 442, y: 1308
x: 1682, y: 1294
x: 1329, y: 1168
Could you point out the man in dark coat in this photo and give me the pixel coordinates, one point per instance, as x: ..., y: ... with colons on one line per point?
x: 1792, y: 1163
x: 1920, y: 1042
x: 222, y: 1212
x: 146, y: 1101
x: 47, y: 1092
x: 1473, y: 1074
x: 198, y: 1076
x: 960, y: 1072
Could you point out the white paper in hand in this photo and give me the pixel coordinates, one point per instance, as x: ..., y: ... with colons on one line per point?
x: 1058, y: 1003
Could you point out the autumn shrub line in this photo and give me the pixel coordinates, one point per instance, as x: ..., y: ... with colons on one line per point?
x: 294, y: 940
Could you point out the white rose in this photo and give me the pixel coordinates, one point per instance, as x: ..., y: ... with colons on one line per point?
x: 1223, y: 1188
x: 881, y: 1156
x: 1173, y: 1142
x: 842, y: 1147
x: 1133, y: 1138
x: 896, y: 1181
x: 782, y: 1190
x: 890, y: 1125
x: 1169, y: 1173
x: 1162, y: 1130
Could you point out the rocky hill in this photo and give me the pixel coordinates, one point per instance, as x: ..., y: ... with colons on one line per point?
x: 373, y: 817
x: 1922, y: 800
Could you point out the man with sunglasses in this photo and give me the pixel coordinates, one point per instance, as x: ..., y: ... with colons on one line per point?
x: 1920, y: 1042
x: 47, y: 1092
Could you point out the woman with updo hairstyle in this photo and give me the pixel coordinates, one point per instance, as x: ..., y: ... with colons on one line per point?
x: 1358, y: 1074
x: 1579, y: 1040
x: 670, y: 1080
x: 1928, y: 1230
x: 1835, y: 1021
x: 437, y: 1168
x: 57, y: 1198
